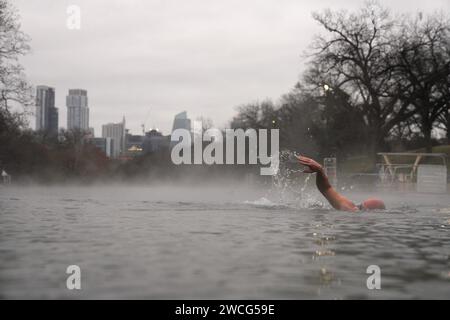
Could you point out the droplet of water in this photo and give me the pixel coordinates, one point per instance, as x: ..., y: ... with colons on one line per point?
x: 290, y: 186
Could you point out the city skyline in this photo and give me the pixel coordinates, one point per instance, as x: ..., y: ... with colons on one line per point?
x: 78, y: 117
x: 164, y: 57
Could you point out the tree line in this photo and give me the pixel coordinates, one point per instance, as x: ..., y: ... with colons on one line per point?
x: 374, y: 80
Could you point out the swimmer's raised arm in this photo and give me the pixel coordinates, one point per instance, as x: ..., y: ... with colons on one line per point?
x: 338, y: 201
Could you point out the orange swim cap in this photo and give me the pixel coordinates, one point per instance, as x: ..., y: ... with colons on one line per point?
x: 373, y: 204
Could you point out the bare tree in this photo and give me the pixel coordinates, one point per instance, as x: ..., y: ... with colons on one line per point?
x: 444, y: 89
x: 443, y: 119
x: 297, y: 114
x: 13, y: 44
x: 356, y: 57
x: 207, y: 123
x: 444, y: 122
x: 424, y: 70
x: 256, y: 115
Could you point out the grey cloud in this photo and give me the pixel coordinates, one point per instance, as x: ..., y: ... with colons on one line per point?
x: 203, y: 56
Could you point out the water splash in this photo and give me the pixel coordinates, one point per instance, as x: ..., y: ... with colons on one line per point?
x: 290, y: 186
x: 265, y: 203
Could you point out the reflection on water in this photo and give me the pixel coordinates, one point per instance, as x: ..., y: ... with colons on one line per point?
x: 174, y: 242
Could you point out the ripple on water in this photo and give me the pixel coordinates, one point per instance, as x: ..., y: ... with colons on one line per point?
x: 216, y: 249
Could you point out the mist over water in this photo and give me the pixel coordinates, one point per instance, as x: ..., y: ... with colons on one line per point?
x: 218, y: 241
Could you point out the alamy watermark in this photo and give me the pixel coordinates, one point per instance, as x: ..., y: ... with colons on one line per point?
x: 213, y: 153
x: 374, y: 280
x: 74, y: 279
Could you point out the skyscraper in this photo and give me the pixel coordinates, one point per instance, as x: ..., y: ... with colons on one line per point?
x: 116, y: 131
x: 77, y: 110
x: 181, y: 121
x: 104, y: 144
x: 46, y: 113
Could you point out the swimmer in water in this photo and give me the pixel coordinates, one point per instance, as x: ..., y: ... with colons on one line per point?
x: 337, y: 201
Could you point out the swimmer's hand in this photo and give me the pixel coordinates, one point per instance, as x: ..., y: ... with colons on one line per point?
x: 312, y: 165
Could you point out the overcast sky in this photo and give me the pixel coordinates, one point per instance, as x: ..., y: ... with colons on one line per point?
x: 150, y: 59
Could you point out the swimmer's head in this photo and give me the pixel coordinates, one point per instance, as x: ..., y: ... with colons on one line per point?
x: 372, y: 204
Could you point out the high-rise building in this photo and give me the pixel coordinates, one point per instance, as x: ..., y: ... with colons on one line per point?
x: 133, y: 144
x: 46, y: 113
x: 181, y: 121
x: 154, y: 141
x: 116, y: 131
x: 77, y: 109
x: 104, y: 144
